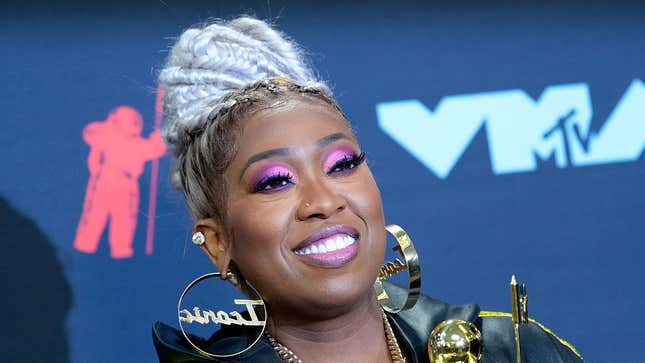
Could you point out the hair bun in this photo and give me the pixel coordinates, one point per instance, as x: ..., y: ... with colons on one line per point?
x: 207, y: 63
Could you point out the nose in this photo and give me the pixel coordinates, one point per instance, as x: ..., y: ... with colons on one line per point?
x: 319, y: 200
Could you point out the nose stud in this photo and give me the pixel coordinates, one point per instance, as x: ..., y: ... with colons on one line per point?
x: 307, y: 204
x: 198, y: 238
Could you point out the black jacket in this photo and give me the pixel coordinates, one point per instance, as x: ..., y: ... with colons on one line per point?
x: 412, y: 329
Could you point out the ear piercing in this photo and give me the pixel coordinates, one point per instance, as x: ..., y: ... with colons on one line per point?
x: 198, y: 238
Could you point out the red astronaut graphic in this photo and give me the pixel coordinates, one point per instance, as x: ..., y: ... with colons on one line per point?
x: 116, y: 160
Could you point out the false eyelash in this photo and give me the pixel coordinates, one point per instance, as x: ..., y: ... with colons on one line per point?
x: 266, y: 181
x: 347, y: 163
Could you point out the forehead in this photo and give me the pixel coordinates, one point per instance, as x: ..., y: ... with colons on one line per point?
x: 291, y: 125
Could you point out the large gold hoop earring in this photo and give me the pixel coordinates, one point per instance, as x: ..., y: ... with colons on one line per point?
x: 409, y: 254
x: 202, y: 316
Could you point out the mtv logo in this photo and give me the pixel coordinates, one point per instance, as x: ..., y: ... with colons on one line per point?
x: 520, y: 130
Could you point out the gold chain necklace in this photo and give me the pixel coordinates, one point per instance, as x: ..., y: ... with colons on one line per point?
x: 396, y: 356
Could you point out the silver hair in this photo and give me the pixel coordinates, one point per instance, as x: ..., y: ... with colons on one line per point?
x: 214, y: 76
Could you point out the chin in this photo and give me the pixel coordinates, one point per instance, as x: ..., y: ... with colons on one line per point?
x: 337, y: 295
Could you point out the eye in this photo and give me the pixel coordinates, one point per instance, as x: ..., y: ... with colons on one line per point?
x: 347, y: 162
x: 274, y: 182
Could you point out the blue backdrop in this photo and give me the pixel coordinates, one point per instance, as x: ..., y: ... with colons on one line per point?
x: 505, y: 139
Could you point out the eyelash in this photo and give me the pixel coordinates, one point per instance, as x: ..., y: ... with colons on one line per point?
x: 347, y: 163
x: 274, y: 182
x: 281, y: 180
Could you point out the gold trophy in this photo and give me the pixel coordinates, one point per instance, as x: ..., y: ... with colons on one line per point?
x: 455, y: 341
x: 459, y: 341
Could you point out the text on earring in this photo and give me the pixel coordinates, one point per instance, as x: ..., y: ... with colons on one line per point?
x: 392, y: 268
x: 221, y: 317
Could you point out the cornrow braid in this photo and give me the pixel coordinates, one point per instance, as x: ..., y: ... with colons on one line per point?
x: 277, y: 86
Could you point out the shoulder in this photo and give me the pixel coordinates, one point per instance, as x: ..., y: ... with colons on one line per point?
x: 538, y: 343
x: 172, y: 346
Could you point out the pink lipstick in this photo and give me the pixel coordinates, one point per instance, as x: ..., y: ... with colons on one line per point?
x: 331, y: 247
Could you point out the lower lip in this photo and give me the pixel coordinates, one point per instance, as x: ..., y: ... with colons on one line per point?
x: 332, y: 259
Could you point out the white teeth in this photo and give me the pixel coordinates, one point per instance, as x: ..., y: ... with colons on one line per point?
x: 343, y: 241
x: 338, y: 243
x: 328, y: 245
x: 331, y: 245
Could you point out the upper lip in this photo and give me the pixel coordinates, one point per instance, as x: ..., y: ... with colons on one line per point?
x: 327, y: 232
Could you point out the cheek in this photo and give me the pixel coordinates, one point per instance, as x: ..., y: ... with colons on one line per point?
x: 258, y: 231
x: 365, y: 199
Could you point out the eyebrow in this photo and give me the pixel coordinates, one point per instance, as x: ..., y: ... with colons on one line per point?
x: 320, y: 143
x: 331, y: 138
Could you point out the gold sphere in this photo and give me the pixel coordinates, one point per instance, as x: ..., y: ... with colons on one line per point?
x: 455, y: 341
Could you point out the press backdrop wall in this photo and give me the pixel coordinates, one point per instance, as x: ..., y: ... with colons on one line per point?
x: 506, y: 139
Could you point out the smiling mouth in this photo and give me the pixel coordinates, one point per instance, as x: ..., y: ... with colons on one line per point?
x: 334, y: 243
x: 331, y: 247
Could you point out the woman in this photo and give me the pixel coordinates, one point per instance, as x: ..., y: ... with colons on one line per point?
x: 277, y: 184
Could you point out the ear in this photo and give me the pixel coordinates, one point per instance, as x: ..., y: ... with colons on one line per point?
x: 217, y: 246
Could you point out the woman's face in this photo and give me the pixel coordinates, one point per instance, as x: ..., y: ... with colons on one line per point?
x: 304, y: 212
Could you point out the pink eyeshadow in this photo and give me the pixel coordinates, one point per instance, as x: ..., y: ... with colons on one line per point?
x: 271, y: 170
x: 335, y: 155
